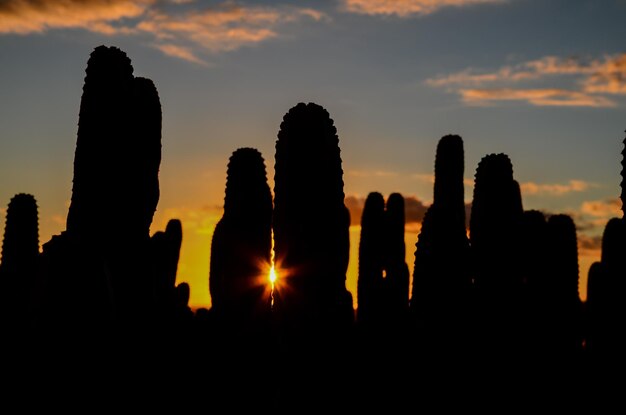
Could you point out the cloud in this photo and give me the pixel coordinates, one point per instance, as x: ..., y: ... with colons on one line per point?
x: 376, y: 173
x: 531, y: 188
x: 537, y: 97
x: 414, y: 210
x: 605, y: 209
x: 405, y: 8
x: 180, y: 52
x: 180, y: 29
x: 589, y: 245
x: 37, y: 16
x: 589, y: 81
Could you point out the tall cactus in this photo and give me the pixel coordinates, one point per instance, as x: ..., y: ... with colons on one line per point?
x: 311, y: 221
x: 495, y: 235
x: 20, y: 253
x: 397, y: 279
x: 241, y: 247
x: 441, y: 277
x: 101, y: 264
x: 371, y: 261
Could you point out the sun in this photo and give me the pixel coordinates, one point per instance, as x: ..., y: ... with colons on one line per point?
x: 272, y: 275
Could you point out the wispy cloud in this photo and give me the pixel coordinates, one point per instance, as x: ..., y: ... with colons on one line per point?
x: 182, y: 30
x: 36, y: 16
x: 604, y: 209
x: 406, y: 8
x: 368, y: 173
x: 590, y: 80
x: 555, y: 189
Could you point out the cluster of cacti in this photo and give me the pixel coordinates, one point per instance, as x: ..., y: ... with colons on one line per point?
x: 311, y: 221
x: 101, y: 263
x: 241, y: 247
x: 441, y: 275
x: 383, y: 280
x: 18, y: 266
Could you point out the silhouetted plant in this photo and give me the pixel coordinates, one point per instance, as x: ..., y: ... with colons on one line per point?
x: 562, y: 334
x: 103, y: 258
x: 311, y: 221
x: 20, y: 252
x: 441, y: 277
x: 370, y: 281
x: 397, y: 279
x: 165, y: 251
x: 241, y: 247
x: 495, y: 236
x: 606, y: 285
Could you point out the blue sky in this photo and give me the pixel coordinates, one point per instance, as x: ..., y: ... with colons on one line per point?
x: 542, y: 81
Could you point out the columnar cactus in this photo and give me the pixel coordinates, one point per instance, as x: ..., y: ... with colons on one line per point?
x: 241, y: 248
x: 370, y: 283
x: 20, y: 252
x: 495, y: 224
x: 397, y: 279
x: 441, y: 277
x: 103, y: 259
x: 165, y: 251
x: 311, y: 221
x: 563, y: 307
x: 495, y: 235
x: 118, y: 150
x: 606, y: 285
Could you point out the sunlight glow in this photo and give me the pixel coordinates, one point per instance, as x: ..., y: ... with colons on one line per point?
x: 272, y: 273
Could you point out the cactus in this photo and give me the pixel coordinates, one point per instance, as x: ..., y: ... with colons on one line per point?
x: 606, y: 285
x: 441, y: 277
x: 495, y: 224
x: 311, y: 221
x: 563, y: 307
x: 165, y: 252
x: 495, y: 236
x: 241, y: 246
x: 371, y: 261
x: 397, y: 280
x: 20, y: 254
x: 104, y: 253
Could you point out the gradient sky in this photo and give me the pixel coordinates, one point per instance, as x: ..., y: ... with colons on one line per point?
x: 543, y: 81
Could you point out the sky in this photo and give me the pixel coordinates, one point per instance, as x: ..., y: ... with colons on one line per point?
x: 543, y: 81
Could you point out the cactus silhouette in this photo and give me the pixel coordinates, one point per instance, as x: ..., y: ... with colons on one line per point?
x: 20, y: 254
x: 165, y: 251
x: 397, y: 279
x: 495, y: 235
x: 241, y: 247
x: 442, y: 283
x: 562, y: 317
x: 606, y: 284
x: 370, y: 282
x: 311, y: 222
x: 101, y: 263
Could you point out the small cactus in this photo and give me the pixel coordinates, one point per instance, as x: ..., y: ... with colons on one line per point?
x: 20, y: 255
